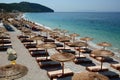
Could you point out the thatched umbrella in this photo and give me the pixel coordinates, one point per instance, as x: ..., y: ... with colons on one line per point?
x: 46, y: 31
x: 89, y: 76
x: 41, y: 29
x: 102, y: 53
x: 80, y: 44
x: 30, y: 34
x: 74, y: 35
x: 25, y: 30
x: 54, y: 33
x: 63, y: 39
x: 62, y: 57
x: 57, y: 30
x: 46, y: 46
x: 11, y: 72
x: 64, y: 32
x: 86, y: 39
x: 2, y: 30
x: 104, y: 44
x: 37, y: 38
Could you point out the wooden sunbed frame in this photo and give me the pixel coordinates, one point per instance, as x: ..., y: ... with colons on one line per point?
x: 96, y: 68
x: 58, y: 74
x: 116, y: 66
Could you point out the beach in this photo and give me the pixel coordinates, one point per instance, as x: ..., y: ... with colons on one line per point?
x: 34, y: 71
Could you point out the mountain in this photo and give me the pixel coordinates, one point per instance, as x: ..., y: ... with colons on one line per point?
x: 24, y: 7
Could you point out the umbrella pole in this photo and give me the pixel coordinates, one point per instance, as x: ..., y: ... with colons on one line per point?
x: 73, y: 39
x: 79, y: 51
x: 37, y: 44
x: 64, y: 45
x: 62, y: 68
x: 101, y: 63
x: 30, y: 38
x: 87, y: 45
x: 46, y: 53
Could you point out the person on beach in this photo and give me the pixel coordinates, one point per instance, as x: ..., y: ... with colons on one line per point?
x: 12, y: 55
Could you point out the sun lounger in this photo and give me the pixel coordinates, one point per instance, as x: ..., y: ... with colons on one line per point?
x: 38, y: 53
x: 48, y: 63
x: 32, y: 45
x: 70, y: 44
x: 58, y: 73
x: 96, y: 68
x: 105, y: 59
x: 110, y: 74
x: 38, y: 59
x: 82, y: 60
x: 48, y: 40
x: 59, y: 45
x: 35, y: 49
x: 67, y: 51
x: 26, y: 40
x: 86, y: 50
x: 5, y: 41
x: 61, y: 48
x: 116, y: 66
x: 45, y: 37
x: 22, y: 37
x: 81, y: 56
x: 5, y: 47
x: 5, y: 37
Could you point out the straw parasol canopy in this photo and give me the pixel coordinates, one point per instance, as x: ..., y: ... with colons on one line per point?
x: 86, y: 39
x: 64, y: 32
x: 74, y: 35
x: 102, y: 53
x: 62, y: 57
x: 57, y: 30
x: 30, y: 34
x: 89, y: 76
x: 25, y: 30
x: 2, y: 30
x: 80, y: 44
x: 54, y: 33
x: 46, y: 46
x: 47, y: 31
x: 104, y: 44
x: 63, y: 39
x: 37, y: 38
x: 12, y: 71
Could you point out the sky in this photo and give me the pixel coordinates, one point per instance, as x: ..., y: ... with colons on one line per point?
x: 76, y: 5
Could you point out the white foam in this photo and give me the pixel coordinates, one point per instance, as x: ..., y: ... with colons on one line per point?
x: 39, y: 24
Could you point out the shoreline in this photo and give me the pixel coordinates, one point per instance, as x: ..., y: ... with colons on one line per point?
x: 91, y: 43
x: 38, y: 24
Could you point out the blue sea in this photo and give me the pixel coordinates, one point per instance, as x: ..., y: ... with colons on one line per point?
x: 102, y: 26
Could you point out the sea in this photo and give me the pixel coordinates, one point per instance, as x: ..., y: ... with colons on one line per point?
x: 102, y: 26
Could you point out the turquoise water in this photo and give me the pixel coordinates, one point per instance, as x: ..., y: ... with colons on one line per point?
x: 100, y: 26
